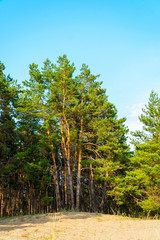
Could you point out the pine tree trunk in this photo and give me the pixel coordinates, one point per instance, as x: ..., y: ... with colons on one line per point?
x: 39, y: 204
x: 17, y: 203
x: 104, y: 194
x: 65, y: 186
x: 55, y: 177
x: 2, y: 197
x: 78, y: 179
x: 8, y: 208
x: 103, y: 198
x: 70, y: 184
x: 65, y: 171
x: 21, y: 192
x: 58, y: 199
x: 2, y: 203
x: 66, y: 152
x: 92, y: 197
x: 29, y: 200
x: 79, y: 165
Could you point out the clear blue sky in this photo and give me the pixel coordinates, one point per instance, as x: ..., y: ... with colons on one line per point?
x: 118, y: 39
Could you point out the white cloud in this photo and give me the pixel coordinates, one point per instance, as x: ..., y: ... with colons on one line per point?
x: 136, y: 109
x: 134, y: 125
x: 134, y: 112
x: 133, y: 121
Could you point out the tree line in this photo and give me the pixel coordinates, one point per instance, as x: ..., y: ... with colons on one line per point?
x: 62, y: 146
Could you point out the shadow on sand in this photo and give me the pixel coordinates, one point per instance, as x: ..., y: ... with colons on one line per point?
x: 29, y: 221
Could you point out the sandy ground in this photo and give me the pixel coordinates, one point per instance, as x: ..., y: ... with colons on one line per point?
x: 78, y: 226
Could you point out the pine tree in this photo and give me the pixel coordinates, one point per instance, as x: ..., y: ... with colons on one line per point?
x: 61, y: 141
x: 102, y: 142
x: 62, y: 102
x: 85, y: 82
x: 8, y: 144
x: 34, y: 105
x: 142, y: 181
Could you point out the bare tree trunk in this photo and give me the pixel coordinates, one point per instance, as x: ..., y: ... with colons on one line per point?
x: 103, y: 198
x: 104, y: 194
x: 21, y: 191
x: 65, y: 170
x: 2, y: 197
x: 78, y: 179
x: 92, y: 197
x: 65, y: 186
x: 79, y: 165
x: 39, y: 202
x: 70, y: 184
x: 66, y: 152
x: 55, y: 174
x: 2, y: 203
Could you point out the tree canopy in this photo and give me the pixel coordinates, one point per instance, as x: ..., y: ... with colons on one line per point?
x: 62, y: 146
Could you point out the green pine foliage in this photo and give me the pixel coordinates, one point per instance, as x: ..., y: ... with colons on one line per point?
x: 8, y: 138
x: 142, y: 180
x: 62, y: 146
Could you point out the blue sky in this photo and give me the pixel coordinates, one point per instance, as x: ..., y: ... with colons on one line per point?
x: 118, y: 39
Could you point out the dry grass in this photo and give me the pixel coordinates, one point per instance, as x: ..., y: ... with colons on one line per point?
x: 78, y: 226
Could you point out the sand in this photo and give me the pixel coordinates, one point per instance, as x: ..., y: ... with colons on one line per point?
x: 78, y: 226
